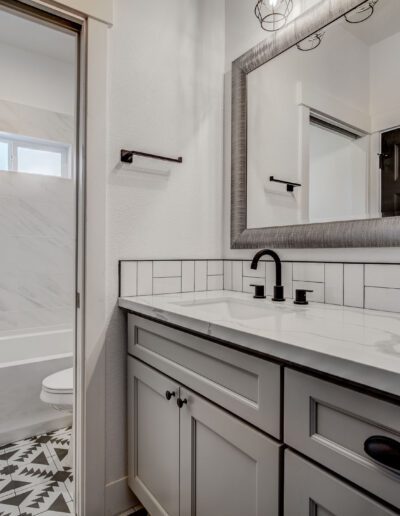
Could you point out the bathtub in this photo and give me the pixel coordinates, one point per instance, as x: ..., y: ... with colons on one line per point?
x: 25, y: 359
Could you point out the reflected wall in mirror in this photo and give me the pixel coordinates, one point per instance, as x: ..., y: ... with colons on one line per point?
x: 321, y: 118
x: 316, y: 128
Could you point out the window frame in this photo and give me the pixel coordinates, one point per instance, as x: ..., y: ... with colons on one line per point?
x: 16, y: 142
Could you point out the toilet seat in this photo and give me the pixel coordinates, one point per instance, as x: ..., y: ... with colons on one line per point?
x: 58, y: 388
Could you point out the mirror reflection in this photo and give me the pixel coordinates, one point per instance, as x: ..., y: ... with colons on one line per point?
x: 324, y: 124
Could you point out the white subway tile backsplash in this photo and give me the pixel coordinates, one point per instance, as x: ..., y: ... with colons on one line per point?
x: 309, y: 272
x: 188, y: 276
x: 200, y: 276
x: 228, y: 275
x: 237, y: 276
x: 129, y: 279
x: 250, y: 273
x: 382, y: 276
x: 247, y: 282
x: 145, y: 279
x: 318, y: 290
x: 167, y: 269
x: 354, y: 285
x: 215, y: 282
x: 386, y: 299
x: 334, y: 287
x: 166, y: 285
x: 375, y: 286
x: 215, y: 268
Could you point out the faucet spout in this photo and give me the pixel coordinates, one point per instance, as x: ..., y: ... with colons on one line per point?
x: 278, y: 289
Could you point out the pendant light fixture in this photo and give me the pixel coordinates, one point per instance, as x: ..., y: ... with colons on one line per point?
x: 362, y: 13
x: 311, y: 42
x: 273, y: 14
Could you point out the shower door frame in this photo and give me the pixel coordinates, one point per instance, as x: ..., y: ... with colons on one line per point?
x: 57, y: 17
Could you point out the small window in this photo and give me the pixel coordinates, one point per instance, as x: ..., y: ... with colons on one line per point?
x: 33, y: 156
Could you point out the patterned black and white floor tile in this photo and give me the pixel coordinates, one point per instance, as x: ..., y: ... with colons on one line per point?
x: 34, y: 478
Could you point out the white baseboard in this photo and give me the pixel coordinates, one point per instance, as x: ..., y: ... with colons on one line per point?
x: 119, y: 498
x: 31, y: 429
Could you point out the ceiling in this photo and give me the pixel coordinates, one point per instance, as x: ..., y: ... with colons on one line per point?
x: 384, y: 23
x: 36, y: 37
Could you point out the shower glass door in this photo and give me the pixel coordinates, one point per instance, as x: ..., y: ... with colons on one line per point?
x: 39, y: 62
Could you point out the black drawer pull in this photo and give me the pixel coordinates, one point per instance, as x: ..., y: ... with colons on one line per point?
x: 384, y: 450
x: 169, y: 395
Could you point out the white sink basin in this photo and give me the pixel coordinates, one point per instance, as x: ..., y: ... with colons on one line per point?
x: 230, y: 308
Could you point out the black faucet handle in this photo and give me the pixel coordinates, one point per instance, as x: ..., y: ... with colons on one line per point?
x: 259, y: 291
x: 301, y: 296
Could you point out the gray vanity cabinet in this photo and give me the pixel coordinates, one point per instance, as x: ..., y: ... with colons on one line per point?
x: 195, y: 460
x: 310, y: 490
x: 200, y: 420
x: 153, y: 430
x: 227, y: 467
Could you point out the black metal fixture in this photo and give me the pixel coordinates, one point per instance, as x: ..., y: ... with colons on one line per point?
x: 273, y: 14
x: 301, y: 297
x: 259, y: 292
x: 311, y: 42
x: 361, y: 13
x: 384, y: 450
x: 289, y: 185
x: 278, y: 289
x: 169, y: 395
x: 127, y: 156
x: 181, y: 402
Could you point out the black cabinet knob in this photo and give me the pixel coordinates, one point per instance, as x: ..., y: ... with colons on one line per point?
x: 169, y: 395
x: 384, y: 450
x: 181, y: 402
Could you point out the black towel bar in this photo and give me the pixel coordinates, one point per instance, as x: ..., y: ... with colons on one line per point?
x: 289, y: 185
x: 127, y: 156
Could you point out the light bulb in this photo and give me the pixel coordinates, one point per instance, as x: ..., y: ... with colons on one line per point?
x: 273, y: 3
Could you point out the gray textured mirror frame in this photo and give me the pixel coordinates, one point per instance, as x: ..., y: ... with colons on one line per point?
x: 358, y: 233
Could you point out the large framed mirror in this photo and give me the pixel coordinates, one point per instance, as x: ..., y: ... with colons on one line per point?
x: 316, y: 131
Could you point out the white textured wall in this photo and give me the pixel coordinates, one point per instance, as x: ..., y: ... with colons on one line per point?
x: 243, y: 32
x: 166, y: 82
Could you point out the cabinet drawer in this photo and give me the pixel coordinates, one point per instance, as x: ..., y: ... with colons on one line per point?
x: 310, y: 490
x: 330, y: 424
x: 246, y: 386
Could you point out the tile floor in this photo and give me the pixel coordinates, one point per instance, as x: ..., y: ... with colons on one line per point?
x: 33, y: 478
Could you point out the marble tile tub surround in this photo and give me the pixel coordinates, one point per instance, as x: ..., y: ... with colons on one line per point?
x: 359, y: 285
x: 37, y: 235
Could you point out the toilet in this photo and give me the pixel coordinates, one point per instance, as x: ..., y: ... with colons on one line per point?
x: 58, y: 391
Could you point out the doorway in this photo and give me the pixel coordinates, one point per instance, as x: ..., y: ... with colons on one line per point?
x: 40, y: 204
x: 390, y: 173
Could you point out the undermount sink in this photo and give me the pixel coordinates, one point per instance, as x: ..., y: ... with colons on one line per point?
x: 230, y: 308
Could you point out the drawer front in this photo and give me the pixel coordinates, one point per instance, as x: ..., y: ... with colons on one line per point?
x: 310, y: 490
x: 244, y: 385
x: 330, y: 424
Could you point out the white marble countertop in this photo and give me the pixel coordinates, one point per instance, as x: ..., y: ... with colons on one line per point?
x: 354, y: 344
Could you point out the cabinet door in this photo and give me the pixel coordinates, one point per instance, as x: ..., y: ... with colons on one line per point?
x: 153, y: 439
x: 310, y: 490
x: 227, y: 467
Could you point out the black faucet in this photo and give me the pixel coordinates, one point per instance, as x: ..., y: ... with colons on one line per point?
x: 278, y: 289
